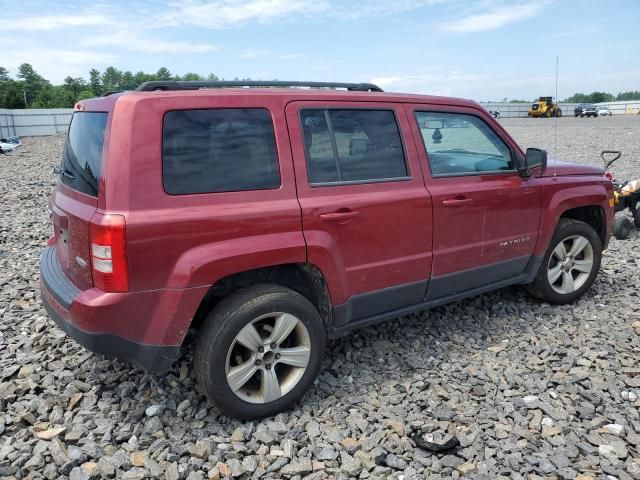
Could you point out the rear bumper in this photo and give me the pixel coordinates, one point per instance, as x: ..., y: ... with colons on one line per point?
x: 106, y: 323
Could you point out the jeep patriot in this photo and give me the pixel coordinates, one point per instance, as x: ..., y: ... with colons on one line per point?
x: 266, y: 220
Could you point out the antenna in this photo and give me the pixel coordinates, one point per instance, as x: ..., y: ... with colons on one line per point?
x: 555, y: 123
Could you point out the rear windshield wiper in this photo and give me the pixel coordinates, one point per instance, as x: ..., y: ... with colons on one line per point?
x: 67, y: 173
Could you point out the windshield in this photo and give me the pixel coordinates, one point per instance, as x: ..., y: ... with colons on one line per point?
x: 82, y: 154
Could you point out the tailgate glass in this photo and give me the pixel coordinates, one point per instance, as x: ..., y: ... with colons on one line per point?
x: 82, y: 154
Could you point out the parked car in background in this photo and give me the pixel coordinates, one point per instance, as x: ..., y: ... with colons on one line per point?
x: 585, y: 110
x: 603, y: 111
x: 269, y: 220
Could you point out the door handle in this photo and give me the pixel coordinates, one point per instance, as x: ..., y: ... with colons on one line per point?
x: 339, y: 216
x: 457, y: 202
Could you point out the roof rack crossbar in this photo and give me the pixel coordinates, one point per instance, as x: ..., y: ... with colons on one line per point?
x: 196, y: 85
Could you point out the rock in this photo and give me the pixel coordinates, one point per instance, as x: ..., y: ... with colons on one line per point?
x: 26, y: 371
x: 154, y: 410
x: 466, y: 468
x: 50, y: 433
x: 58, y: 452
x: 397, y: 427
x: 73, y: 400
x: 84, y: 472
x: 297, y: 467
x: 350, y: 465
x: 349, y: 444
x: 614, y: 429
x: 237, y: 435
x: 265, y: 437
x: 138, y: 458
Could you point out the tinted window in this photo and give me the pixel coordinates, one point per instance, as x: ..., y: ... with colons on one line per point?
x: 219, y: 150
x: 352, y: 145
x: 82, y: 154
x: 459, y: 144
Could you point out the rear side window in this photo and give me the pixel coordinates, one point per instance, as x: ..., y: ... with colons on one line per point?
x: 219, y: 150
x: 352, y: 146
x: 82, y: 154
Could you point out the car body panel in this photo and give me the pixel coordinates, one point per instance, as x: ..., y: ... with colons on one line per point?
x: 402, y: 252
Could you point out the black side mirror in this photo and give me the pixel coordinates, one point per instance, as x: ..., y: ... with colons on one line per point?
x: 535, y: 159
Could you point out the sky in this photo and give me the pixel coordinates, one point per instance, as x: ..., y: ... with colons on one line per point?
x: 478, y: 49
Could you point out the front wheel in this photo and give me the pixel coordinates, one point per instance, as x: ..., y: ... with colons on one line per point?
x: 570, y: 265
x: 259, y: 350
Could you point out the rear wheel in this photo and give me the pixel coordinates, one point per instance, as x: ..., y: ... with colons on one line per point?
x: 558, y: 112
x: 622, y: 227
x: 636, y: 215
x: 570, y: 265
x: 259, y: 350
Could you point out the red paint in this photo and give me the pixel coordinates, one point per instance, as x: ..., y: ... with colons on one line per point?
x: 363, y: 237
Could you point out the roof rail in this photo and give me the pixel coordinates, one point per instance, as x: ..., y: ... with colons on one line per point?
x: 196, y: 85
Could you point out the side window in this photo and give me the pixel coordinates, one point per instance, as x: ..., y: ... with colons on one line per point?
x: 459, y: 144
x: 352, y: 146
x: 219, y: 150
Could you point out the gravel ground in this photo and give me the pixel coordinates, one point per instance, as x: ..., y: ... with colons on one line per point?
x: 497, y: 386
x: 582, y: 139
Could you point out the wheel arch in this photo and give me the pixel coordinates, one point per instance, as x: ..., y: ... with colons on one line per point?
x: 305, y: 278
x: 592, y: 215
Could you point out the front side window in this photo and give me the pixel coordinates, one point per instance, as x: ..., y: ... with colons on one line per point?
x: 460, y: 144
x: 344, y: 146
x: 219, y: 150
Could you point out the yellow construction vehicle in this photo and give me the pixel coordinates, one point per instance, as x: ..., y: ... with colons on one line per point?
x: 545, y: 107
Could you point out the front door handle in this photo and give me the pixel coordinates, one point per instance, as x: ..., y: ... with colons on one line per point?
x: 339, y: 216
x: 457, y: 202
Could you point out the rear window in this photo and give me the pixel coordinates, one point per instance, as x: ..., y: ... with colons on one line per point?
x: 219, y: 150
x: 82, y: 154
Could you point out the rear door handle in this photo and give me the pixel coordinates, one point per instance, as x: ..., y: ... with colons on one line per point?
x: 339, y: 216
x: 457, y: 202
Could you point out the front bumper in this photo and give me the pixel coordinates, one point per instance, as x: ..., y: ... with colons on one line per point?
x: 72, y: 309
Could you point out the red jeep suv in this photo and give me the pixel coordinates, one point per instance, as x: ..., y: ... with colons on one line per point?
x: 270, y: 219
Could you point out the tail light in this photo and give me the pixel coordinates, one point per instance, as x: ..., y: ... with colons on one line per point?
x: 108, y: 252
x: 609, y: 176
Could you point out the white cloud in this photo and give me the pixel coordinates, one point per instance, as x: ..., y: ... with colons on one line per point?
x: 227, y: 13
x: 52, y: 22
x: 495, y: 18
x: 147, y: 43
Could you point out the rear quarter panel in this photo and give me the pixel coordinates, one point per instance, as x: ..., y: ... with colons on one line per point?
x: 184, y: 241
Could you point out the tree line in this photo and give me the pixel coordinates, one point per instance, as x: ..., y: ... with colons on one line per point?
x: 31, y: 90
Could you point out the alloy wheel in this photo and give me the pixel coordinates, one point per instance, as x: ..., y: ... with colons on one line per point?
x: 570, y: 264
x: 268, y: 357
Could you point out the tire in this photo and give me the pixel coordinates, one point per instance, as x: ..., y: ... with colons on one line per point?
x: 636, y: 215
x: 622, y: 227
x: 562, y: 291
x: 559, y: 113
x: 548, y: 113
x: 218, y: 351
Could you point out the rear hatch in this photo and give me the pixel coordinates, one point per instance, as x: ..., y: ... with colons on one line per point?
x: 75, y: 198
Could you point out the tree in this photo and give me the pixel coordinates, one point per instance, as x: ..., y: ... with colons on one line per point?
x: 4, y: 75
x: 33, y: 84
x: 111, y: 79
x: 128, y: 82
x: 190, y: 76
x: 163, y: 73
x: 95, y: 82
x: 628, y: 96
